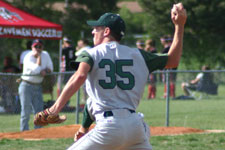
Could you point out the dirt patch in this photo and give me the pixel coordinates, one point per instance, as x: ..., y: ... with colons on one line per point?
x: 69, y: 130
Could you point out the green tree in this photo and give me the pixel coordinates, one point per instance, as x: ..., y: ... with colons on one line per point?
x: 74, y: 20
x: 135, y: 25
x: 204, y: 33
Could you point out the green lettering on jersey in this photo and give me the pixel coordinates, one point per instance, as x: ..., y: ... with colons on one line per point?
x: 123, y: 74
x: 117, y: 69
x: 111, y: 74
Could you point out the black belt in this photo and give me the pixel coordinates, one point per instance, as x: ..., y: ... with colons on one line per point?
x: 110, y: 113
x: 31, y: 82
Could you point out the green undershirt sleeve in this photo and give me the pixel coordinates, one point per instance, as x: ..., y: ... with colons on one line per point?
x: 87, y: 121
x: 154, y: 61
x: 85, y: 57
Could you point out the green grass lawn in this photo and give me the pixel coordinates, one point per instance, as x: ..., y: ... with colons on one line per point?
x: 204, y: 114
x: 214, y: 141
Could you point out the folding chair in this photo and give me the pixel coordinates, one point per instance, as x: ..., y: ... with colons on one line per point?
x: 205, y: 87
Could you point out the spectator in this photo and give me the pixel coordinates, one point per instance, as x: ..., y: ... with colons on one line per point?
x: 23, y: 54
x: 37, y: 64
x: 150, y: 47
x: 166, y: 41
x: 8, y: 65
x: 203, y: 82
x: 140, y: 44
x: 82, y: 45
x: 8, y: 85
x: 67, y: 56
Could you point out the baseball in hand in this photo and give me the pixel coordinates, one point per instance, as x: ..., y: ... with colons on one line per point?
x: 178, y: 14
x: 176, y: 8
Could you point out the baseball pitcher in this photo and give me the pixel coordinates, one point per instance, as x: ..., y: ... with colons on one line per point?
x: 116, y: 76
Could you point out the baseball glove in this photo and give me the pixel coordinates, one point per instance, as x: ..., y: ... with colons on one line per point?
x: 44, y: 118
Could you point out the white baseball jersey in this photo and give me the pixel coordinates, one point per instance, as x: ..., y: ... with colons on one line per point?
x: 118, y: 75
x: 31, y: 68
x: 115, y: 85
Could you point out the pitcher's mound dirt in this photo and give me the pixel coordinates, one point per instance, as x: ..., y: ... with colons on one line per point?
x: 68, y: 131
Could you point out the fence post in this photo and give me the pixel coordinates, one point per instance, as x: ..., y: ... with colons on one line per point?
x: 167, y: 97
x: 77, y: 106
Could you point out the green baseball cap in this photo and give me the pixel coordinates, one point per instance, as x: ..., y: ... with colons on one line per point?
x: 113, y: 21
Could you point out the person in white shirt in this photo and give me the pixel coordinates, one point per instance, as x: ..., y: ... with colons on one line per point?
x: 23, y: 54
x: 193, y: 84
x: 82, y: 45
x: 37, y: 63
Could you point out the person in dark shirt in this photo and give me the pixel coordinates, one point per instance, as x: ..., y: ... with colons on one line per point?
x: 140, y: 44
x: 9, y: 67
x: 150, y: 47
x: 166, y: 41
x: 8, y: 87
x: 68, y: 55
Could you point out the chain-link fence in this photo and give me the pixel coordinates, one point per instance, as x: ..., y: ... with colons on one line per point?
x: 186, y: 85
x: 9, y: 93
x: 52, y: 85
x: 54, y: 82
x: 191, y: 84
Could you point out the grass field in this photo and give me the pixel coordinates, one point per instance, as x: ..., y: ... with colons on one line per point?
x: 202, y: 114
x: 181, y: 142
